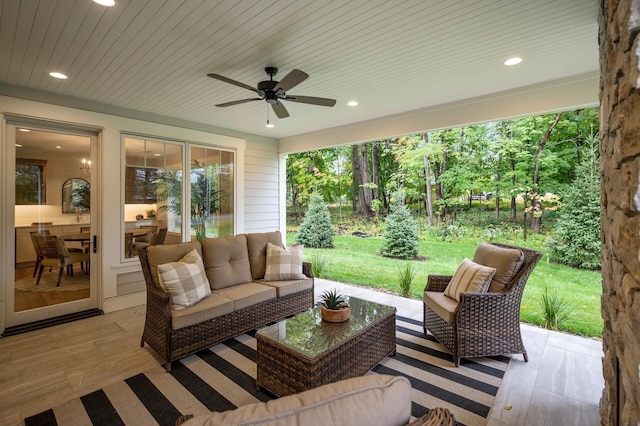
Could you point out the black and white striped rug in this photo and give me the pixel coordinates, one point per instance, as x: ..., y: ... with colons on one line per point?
x: 223, y: 377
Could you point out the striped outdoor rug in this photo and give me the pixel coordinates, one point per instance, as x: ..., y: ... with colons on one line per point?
x: 223, y: 377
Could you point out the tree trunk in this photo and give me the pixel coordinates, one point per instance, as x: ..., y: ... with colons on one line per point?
x: 427, y: 183
x: 514, y: 207
x: 497, y: 193
x: 375, y: 153
x: 536, y: 208
x: 355, y: 165
x: 364, y: 178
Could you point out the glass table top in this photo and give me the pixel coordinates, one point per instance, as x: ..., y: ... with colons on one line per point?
x: 308, y: 335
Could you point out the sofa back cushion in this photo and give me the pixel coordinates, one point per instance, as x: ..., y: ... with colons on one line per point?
x: 157, y: 255
x: 507, y: 262
x: 226, y: 261
x: 257, y: 247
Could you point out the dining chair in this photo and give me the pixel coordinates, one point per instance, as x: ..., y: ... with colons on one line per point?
x: 35, y: 242
x: 54, y: 252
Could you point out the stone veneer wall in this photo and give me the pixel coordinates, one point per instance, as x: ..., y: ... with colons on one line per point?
x: 620, y: 162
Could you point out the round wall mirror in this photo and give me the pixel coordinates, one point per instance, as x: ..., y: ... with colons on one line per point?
x: 76, y: 193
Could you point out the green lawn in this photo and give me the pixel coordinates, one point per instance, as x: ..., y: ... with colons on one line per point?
x: 354, y: 260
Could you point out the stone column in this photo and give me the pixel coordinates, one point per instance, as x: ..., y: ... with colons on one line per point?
x: 620, y: 162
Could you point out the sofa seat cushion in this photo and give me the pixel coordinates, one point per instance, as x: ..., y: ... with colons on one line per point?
x: 226, y: 261
x: 441, y: 304
x: 373, y: 399
x: 208, y: 308
x: 507, y: 262
x: 157, y: 255
x: 284, y: 264
x: 247, y: 294
x: 257, y: 248
x: 287, y: 287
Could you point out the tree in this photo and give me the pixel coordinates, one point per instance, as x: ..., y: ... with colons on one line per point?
x: 362, y: 173
x: 400, y: 234
x: 576, y: 236
x: 316, y: 230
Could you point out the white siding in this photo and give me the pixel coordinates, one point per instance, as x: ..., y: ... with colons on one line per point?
x: 261, y: 187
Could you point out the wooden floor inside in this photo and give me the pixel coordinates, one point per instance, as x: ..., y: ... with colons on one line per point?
x: 48, y: 295
x: 560, y: 385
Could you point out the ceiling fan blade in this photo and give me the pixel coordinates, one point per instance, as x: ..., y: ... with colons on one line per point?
x: 235, y: 83
x: 311, y: 100
x: 280, y: 110
x: 241, y: 101
x: 291, y: 80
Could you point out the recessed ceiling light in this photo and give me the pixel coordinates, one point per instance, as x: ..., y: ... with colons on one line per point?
x: 18, y: 145
x: 107, y: 3
x: 24, y: 130
x: 58, y: 147
x: 513, y: 61
x: 59, y: 75
x: 352, y: 103
x: 157, y: 154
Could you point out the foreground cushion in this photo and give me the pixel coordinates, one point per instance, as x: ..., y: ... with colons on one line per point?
x: 284, y: 264
x: 185, y: 280
x: 257, y: 248
x: 506, y: 261
x: 374, y: 399
x: 469, y: 277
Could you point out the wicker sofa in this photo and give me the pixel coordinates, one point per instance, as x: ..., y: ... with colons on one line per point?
x: 240, y: 300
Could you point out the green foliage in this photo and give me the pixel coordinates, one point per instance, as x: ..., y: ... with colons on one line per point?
x: 406, y: 275
x: 331, y: 299
x: 576, y: 236
x: 318, y: 264
x: 446, y: 232
x: 401, y: 238
x: 316, y: 230
x: 555, y: 309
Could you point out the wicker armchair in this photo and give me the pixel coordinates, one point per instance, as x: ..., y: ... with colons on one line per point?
x: 484, y: 324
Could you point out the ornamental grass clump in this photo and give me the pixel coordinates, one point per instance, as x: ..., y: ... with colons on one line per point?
x: 555, y: 309
x: 406, y: 275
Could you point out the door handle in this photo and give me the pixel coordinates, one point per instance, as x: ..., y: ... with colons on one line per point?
x: 95, y: 243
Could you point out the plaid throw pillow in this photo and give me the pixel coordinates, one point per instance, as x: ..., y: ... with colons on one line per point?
x: 184, y: 280
x: 469, y: 277
x: 284, y: 264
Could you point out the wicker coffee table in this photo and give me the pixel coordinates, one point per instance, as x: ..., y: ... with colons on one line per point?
x: 304, y: 352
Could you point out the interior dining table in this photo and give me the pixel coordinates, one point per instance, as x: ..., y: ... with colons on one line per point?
x: 86, y: 236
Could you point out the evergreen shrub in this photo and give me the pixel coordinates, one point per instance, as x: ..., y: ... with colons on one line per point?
x: 316, y: 230
x: 401, y: 238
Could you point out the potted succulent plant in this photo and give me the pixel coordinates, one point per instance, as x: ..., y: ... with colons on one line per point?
x: 334, y: 306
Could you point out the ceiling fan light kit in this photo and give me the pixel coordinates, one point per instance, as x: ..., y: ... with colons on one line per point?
x: 273, y: 91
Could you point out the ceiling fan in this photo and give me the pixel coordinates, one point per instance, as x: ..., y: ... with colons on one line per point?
x: 275, y: 91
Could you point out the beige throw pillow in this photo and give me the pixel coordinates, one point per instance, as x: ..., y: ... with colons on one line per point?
x: 469, y: 277
x: 284, y: 264
x: 185, y: 280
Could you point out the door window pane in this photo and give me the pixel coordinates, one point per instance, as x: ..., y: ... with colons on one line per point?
x: 212, y: 193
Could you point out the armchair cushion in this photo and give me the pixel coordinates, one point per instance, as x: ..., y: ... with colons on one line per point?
x: 441, y: 304
x: 284, y: 264
x: 185, y: 280
x: 469, y: 277
x: 506, y: 261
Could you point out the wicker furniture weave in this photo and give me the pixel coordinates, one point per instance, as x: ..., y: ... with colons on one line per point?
x: 485, y: 324
x: 173, y: 344
x: 304, y: 352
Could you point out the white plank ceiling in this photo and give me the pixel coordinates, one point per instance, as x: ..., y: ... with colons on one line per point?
x: 391, y: 56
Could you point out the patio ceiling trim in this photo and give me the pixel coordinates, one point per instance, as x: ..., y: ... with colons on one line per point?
x: 558, y: 95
